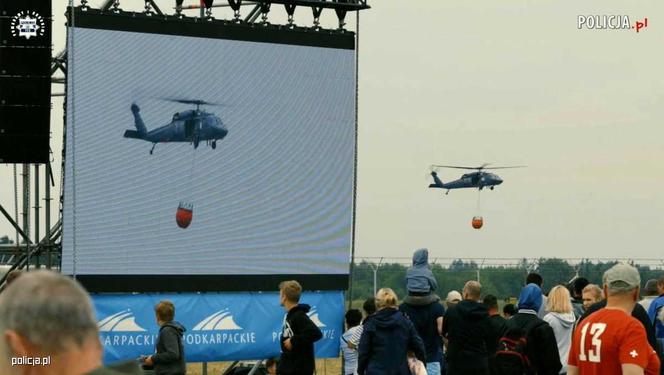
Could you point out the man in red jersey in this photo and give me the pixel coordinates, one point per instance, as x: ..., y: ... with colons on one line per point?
x: 610, y: 341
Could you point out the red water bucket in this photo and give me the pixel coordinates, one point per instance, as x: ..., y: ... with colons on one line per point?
x: 477, y: 222
x: 184, y: 214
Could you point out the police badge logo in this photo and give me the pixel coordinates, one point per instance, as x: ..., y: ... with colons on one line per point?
x: 28, y: 24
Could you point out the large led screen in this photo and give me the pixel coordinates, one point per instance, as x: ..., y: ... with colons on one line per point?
x: 207, y: 163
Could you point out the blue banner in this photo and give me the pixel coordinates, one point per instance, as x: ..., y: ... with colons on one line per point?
x: 220, y: 326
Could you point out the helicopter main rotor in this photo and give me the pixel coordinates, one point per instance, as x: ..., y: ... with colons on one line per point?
x: 480, y: 168
x: 196, y: 102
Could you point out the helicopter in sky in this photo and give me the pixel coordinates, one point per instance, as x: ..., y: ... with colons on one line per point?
x: 192, y: 126
x: 477, y: 180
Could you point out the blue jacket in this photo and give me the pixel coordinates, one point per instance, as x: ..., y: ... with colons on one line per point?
x: 387, y: 337
x: 530, y: 298
x: 419, y: 278
x: 655, y: 311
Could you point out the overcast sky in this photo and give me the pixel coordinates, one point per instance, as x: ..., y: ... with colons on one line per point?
x: 509, y: 82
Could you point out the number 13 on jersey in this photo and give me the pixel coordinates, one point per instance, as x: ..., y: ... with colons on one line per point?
x: 593, y: 353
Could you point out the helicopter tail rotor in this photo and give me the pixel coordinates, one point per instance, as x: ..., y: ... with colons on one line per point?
x: 431, y: 171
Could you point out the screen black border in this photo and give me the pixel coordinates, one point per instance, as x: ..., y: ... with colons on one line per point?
x: 216, y: 29
x: 207, y: 283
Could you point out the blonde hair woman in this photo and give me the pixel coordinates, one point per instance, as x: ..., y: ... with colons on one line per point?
x: 561, y: 318
x: 387, y: 337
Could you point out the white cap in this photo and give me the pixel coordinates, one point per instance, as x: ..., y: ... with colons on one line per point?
x: 454, y: 296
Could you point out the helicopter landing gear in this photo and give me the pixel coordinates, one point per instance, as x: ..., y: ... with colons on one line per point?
x: 152, y: 149
x: 214, y: 144
x: 196, y: 143
x: 447, y: 192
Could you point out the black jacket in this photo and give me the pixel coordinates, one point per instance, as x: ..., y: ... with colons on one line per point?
x: 302, y: 333
x: 542, y: 347
x: 499, y: 325
x: 470, y: 337
x: 169, y: 359
x: 387, y: 337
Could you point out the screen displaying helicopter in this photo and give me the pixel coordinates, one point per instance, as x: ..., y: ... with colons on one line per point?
x: 191, y: 171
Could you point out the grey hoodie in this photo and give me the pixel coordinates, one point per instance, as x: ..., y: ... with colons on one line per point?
x: 169, y: 359
x: 563, y: 327
x: 419, y: 278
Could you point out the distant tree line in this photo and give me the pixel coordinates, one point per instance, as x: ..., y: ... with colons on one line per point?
x: 501, y: 281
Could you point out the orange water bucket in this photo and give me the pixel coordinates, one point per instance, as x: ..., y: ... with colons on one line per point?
x: 184, y: 214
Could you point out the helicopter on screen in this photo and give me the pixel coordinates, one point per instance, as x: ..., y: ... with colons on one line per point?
x: 192, y: 126
x: 476, y: 180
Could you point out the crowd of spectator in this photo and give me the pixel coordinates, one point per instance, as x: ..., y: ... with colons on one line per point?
x: 582, y: 329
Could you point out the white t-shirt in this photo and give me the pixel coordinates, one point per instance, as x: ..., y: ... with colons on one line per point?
x: 350, y: 355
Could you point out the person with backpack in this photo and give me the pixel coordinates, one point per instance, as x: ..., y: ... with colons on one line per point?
x: 529, y: 345
x: 536, y: 278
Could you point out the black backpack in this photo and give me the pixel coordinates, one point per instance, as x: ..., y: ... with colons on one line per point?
x: 511, y: 357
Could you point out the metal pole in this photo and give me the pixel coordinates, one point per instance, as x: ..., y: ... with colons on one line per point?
x: 18, y: 242
x: 204, y: 369
x: 26, y: 208
x: 375, y: 271
x: 47, y: 212
x: 15, y: 225
x: 354, y: 218
x: 255, y: 368
x: 37, y: 209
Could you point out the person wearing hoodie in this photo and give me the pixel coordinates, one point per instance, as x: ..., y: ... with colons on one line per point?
x: 536, y: 278
x: 169, y: 358
x: 298, y: 333
x: 561, y: 319
x: 469, y: 333
x: 419, y: 278
x: 387, y: 338
x: 542, y: 348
